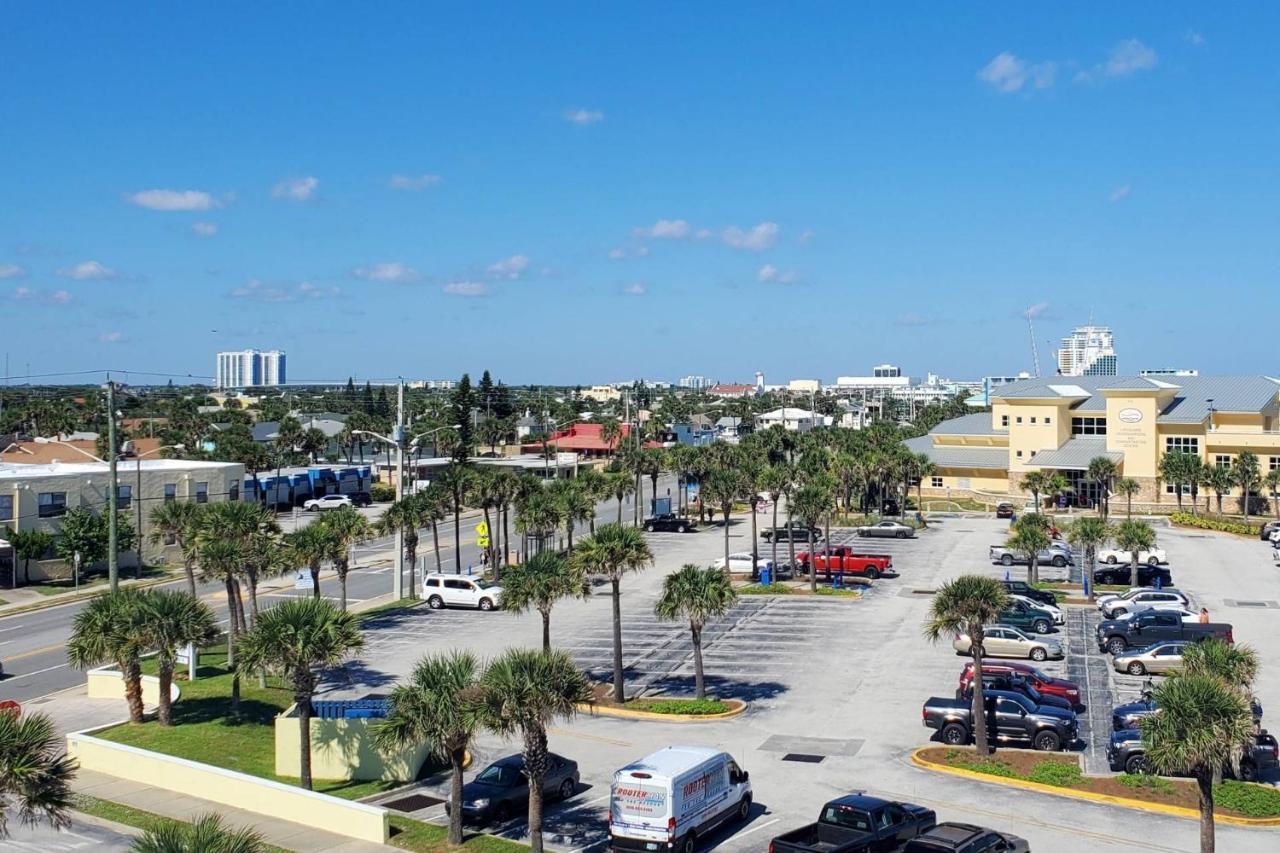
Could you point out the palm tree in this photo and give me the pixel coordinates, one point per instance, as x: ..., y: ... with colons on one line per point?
x: 1273, y: 485
x: 1035, y: 482
x: 1029, y: 537
x: 407, y: 515
x: 1089, y: 533
x: 297, y: 638
x: 172, y: 620
x: 252, y: 530
x: 812, y: 501
x: 455, y: 479
x: 112, y: 628
x: 28, y: 545
x: 539, y: 583
x: 1055, y: 484
x: 207, y: 833
x: 774, y: 480
x: 1173, y: 470
x: 595, y: 486
x: 575, y: 505
x: 621, y: 486
x: 1134, y: 536
x: 1218, y: 478
x: 1128, y: 487
x: 523, y: 692
x: 1102, y: 470
x: 1244, y: 473
x: 1201, y: 727
x: 177, y: 521
x: 721, y: 488
x: 347, y: 527
x: 1236, y: 665
x: 967, y: 605
x: 538, y: 514
x: 612, y: 552
x: 288, y: 436
x: 313, y: 544
x: 35, y: 774
x: 610, y: 432
x: 437, y: 708
x: 695, y: 595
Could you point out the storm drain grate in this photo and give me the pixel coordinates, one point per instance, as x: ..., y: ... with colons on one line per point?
x: 1232, y: 602
x: 1251, y: 604
x: 413, y: 803
x: 803, y: 757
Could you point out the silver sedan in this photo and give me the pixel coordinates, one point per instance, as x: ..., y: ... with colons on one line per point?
x: 1161, y: 658
x: 887, y: 529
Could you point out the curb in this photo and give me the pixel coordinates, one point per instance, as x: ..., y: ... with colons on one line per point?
x: 73, y: 597
x: 739, y: 708
x: 1070, y: 793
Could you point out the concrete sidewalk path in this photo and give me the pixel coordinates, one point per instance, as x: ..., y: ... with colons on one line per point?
x: 281, y: 833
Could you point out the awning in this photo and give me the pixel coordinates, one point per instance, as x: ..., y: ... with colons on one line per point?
x: 1075, y: 454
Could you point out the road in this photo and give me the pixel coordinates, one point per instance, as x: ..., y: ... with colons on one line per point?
x: 33, y: 645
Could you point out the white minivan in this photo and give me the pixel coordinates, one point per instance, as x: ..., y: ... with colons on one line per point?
x: 668, y: 800
x: 460, y: 591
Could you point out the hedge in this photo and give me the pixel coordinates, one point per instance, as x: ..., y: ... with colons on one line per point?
x: 1206, y: 522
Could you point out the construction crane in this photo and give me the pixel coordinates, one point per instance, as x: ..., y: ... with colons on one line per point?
x: 1035, y: 353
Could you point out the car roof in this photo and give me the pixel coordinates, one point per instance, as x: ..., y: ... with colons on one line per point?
x: 955, y: 832
x: 859, y: 801
x: 671, y: 760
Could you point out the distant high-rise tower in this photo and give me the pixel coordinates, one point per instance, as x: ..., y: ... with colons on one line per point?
x: 250, y: 368
x: 1088, y: 351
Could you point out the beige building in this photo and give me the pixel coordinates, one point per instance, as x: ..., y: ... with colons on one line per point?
x: 37, y: 496
x: 602, y: 393
x: 1060, y: 424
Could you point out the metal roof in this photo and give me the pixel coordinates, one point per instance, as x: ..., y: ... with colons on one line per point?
x: 1075, y: 454
x: 958, y: 456
x: 979, y: 423
x: 1191, y: 394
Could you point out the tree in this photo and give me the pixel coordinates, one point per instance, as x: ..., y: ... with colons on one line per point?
x: 613, y: 552
x: 83, y: 532
x: 1029, y: 537
x: 28, y: 545
x: 313, y: 544
x: 1245, y: 474
x: 1236, y: 665
x: 1035, y: 482
x: 347, y: 527
x: 523, y: 692
x: 720, y: 488
x: 774, y: 480
x: 1201, y: 727
x: 621, y: 486
x: 112, y: 628
x: 455, y: 480
x: 575, y: 504
x: 1089, y: 534
x: 177, y: 521
x: 1217, y: 478
x: 407, y: 515
x: 461, y: 402
x: 812, y: 501
x: 610, y: 432
x: 313, y: 443
x: 967, y: 605
x: 297, y: 638
x: 1103, y: 471
x: 288, y: 437
x: 1174, y: 471
x: 1273, y: 485
x: 1128, y: 487
x: 539, y: 583
x: 172, y: 620
x: 35, y: 773
x: 695, y: 595
x: 1134, y: 537
x: 437, y: 708
x: 207, y: 833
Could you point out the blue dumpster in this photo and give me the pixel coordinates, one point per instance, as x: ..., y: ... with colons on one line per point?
x: 766, y: 575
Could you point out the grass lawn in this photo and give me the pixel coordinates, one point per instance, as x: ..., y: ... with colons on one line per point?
x: 57, y: 587
x: 204, y: 731
x: 129, y: 816
x: 3, y: 602
x: 409, y: 834
x: 680, y: 706
x: 786, y: 589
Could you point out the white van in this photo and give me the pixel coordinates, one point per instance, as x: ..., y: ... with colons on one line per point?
x: 667, y: 800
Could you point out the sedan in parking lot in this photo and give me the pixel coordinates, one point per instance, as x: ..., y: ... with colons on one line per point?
x: 1115, y: 556
x: 501, y: 790
x: 1161, y: 659
x: 327, y: 502
x: 740, y: 563
x: 1005, y: 641
x: 887, y: 529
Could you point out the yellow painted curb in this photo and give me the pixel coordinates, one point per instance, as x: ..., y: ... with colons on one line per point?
x: 609, y: 711
x: 1125, y: 802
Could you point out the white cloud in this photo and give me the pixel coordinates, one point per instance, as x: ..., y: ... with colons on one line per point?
x: 466, y: 288
x: 1120, y: 193
x: 172, y: 200
x: 702, y: 234
x: 1008, y: 73
x: 204, y: 229
x: 806, y: 236
x: 912, y: 319
x: 1036, y: 310
x: 1126, y: 59
x: 582, y: 118
x: 88, y: 271
x: 1194, y: 38
x: 413, y: 182
x: 665, y: 229
x: 509, y: 268
x: 24, y: 293
x: 295, y: 189
x: 635, y: 289
x: 755, y: 239
x: 642, y: 251
x: 617, y: 254
x: 11, y: 271
x: 258, y: 291
x: 393, y: 271
x: 770, y: 273
x: 111, y: 337
x: 60, y: 296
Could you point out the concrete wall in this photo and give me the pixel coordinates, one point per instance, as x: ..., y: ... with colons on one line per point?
x: 1044, y: 426
x: 238, y: 790
x: 342, y: 749
x: 107, y: 683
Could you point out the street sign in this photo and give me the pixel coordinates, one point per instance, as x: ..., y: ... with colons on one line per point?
x: 185, y: 653
x: 482, y: 541
x: 482, y: 529
x: 302, y: 580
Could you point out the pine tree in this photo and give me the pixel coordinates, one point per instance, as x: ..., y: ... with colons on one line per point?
x: 462, y: 402
x: 502, y: 405
x: 384, y: 405
x: 484, y: 397
x: 366, y: 402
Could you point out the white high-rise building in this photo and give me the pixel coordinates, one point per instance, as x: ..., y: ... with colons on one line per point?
x: 250, y: 368
x: 1088, y: 351
x: 697, y: 383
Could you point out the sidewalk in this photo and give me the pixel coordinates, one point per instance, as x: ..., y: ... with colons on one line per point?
x: 26, y: 598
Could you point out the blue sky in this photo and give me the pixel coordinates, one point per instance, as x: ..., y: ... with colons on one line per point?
x: 590, y: 192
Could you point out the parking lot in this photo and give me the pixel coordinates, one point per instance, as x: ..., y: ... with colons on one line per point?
x: 839, y: 681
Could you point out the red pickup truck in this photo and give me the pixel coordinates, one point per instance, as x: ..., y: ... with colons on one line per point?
x: 841, y: 559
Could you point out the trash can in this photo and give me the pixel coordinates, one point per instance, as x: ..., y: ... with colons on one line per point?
x: 766, y: 575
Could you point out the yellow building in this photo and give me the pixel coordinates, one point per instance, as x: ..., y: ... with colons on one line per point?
x: 1060, y: 424
x: 602, y: 394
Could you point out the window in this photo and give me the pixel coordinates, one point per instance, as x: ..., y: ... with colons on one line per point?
x: 1004, y: 420
x: 1170, y: 489
x: 1088, y: 426
x: 1019, y: 454
x: 1222, y: 460
x: 202, y: 493
x: 1019, y: 418
x: 6, y: 507
x: 1033, y: 420
x: 1048, y: 420
x: 1182, y: 444
x: 935, y: 482
x: 1273, y: 462
x: 124, y: 496
x: 233, y: 490
x: 433, y: 582
x: 170, y: 492
x: 52, y: 504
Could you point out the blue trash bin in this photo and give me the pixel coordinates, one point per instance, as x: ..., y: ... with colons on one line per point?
x: 766, y: 576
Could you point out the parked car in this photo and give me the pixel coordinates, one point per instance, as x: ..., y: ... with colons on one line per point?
x: 1186, y: 613
x: 1122, y: 574
x: 1158, y: 658
x: 1059, y: 618
x: 1126, y: 753
x: 1057, y: 554
x: 441, y: 590
x: 741, y: 562
x: 1106, y: 597
x: 1269, y: 527
x: 1016, y: 720
x: 360, y: 498
x: 1114, y: 556
x: 327, y: 502
x: 1005, y: 641
x: 966, y: 838
x: 1043, y: 682
x: 1019, y: 614
x: 1026, y: 590
x: 669, y: 523
x: 842, y: 559
x: 1126, y: 716
x: 671, y: 798
x: 796, y: 532
x: 1004, y: 510
x: 1015, y: 683
x: 1152, y: 626
x: 857, y: 823
x: 501, y: 790
x: 1146, y: 599
x: 887, y: 530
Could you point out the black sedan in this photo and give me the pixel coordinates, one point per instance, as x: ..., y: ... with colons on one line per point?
x: 668, y: 523
x: 501, y: 790
x: 1004, y: 511
x: 1118, y: 575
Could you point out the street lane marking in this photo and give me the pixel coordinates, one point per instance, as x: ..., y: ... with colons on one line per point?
x: 14, y: 628
x: 752, y: 829
x: 37, y: 672
x: 34, y: 652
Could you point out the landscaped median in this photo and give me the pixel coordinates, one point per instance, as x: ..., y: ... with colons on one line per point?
x: 1241, y: 803
x: 797, y: 589
x: 665, y: 709
x: 1215, y: 523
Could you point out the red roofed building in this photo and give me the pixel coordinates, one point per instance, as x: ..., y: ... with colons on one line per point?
x: 585, y: 439
x: 731, y: 390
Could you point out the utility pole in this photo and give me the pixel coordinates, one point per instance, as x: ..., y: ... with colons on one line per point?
x: 397, y: 586
x: 113, y: 556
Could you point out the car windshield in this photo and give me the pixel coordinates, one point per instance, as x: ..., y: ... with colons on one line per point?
x: 497, y: 774
x: 485, y: 584
x: 847, y: 817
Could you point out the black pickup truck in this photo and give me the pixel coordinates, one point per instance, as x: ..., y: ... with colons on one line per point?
x: 858, y: 824
x: 1155, y: 626
x: 1125, y: 753
x: 1011, y: 718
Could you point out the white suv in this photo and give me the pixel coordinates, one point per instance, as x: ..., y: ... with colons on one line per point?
x: 460, y: 591
x: 327, y: 502
x: 1149, y: 600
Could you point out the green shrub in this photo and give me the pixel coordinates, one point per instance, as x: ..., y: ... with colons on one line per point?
x: 763, y: 589
x: 1156, y: 784
x: 842, y: 593
x: 1209, y: 522
x: 382, y: 492
x: 1247, y: 798
x: 1056, y: 773
x: 989, y: 766
x: 679, y: 706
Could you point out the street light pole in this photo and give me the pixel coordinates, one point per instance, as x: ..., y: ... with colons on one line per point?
x: 397, y: 587
x: 113, y: 558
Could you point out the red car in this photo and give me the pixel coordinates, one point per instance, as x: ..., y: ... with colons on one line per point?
x: 1046, y: 684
